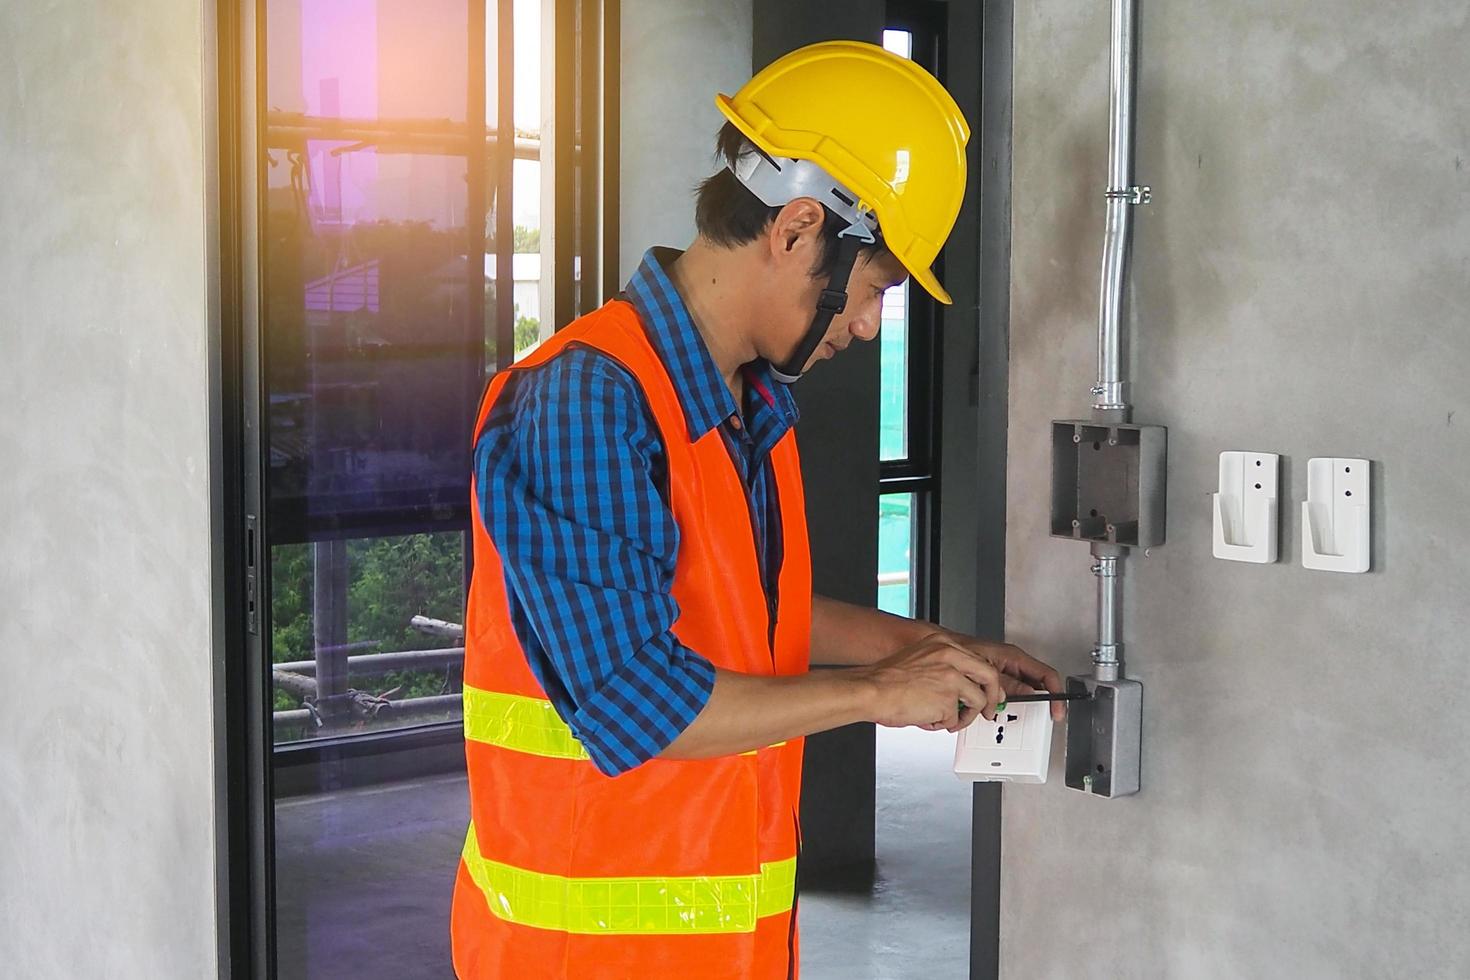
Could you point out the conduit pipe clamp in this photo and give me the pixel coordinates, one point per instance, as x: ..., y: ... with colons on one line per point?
x: 1140, y: 194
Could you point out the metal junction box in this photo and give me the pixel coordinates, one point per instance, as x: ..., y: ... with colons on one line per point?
x: 1105, y: 736
x: 1107, y: 482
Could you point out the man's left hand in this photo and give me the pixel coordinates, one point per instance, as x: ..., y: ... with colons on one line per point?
x: 1020, y: 673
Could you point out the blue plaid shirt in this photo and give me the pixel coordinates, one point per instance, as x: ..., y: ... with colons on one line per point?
x: 571, y: 470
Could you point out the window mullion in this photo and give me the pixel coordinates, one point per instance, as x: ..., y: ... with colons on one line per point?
x: 913, y: 478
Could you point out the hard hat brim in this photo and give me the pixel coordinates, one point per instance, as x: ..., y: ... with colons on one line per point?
x: 925, y: 278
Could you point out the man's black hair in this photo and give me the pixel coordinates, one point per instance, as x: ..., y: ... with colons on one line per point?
x: 728, y: 214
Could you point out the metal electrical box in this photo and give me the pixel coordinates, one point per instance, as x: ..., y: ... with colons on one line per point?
x: 1105, y: 737
x: 1107, y: 482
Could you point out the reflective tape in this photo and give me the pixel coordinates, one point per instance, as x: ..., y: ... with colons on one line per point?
x: 523, y: 724
x: 631, y: 906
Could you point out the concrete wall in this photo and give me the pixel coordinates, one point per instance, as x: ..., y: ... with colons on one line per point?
x: 106, y: 860
x: 1300, y: 287
x: 676, y: 55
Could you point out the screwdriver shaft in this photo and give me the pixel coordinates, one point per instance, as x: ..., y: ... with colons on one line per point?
x: 1022, y: 698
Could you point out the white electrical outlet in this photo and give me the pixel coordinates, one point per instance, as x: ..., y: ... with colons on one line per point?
x: 1015, y: 748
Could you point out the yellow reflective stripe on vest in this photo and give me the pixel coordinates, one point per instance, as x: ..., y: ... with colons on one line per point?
x: 529, y: 725
x: 631, y: 906
x: 524, y: 724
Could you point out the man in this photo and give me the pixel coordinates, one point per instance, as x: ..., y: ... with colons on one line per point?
x: 641, y: 622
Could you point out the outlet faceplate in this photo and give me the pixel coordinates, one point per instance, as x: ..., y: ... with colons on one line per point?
x: 1015, y: 748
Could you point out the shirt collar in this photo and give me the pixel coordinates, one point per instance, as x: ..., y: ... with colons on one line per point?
x: 702, y: 392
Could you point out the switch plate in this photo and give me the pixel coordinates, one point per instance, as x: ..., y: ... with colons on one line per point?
x: 1247, y: 507
x: 1336, y: 516
x: 1015, y: 748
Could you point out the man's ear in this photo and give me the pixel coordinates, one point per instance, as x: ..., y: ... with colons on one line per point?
x: 797, y: 226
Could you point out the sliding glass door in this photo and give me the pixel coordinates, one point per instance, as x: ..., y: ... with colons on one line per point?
x: 422, y: 198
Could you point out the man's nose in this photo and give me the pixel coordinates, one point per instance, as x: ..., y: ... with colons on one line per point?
x: 864, y: 327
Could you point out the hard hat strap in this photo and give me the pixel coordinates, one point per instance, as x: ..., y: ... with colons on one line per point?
x: 832, y: 302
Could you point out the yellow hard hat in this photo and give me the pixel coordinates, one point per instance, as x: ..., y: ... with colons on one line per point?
x: 880, y: 125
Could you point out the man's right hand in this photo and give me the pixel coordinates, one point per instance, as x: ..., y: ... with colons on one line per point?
x: 942, y: 681
x: 934, y: 684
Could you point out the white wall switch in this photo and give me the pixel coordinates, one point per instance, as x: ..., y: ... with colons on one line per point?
x: 1015, y: 748
x: 1247, y: 507
x: 1336, y: 523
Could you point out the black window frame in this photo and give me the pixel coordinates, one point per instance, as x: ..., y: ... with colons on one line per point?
x: 918, y: 471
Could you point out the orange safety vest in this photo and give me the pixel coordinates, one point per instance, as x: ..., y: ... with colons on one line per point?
x: 675, y: 869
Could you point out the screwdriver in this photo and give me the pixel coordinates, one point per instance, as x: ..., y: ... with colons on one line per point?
x: 1044, y: 696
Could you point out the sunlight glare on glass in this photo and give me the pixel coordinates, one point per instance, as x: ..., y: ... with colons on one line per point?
x: 893, y: 398
x: 900, y: 43
x: 527, y: 96
x: 896, y: 572
x: 526, y: 18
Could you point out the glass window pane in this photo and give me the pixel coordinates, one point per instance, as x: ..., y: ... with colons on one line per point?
x: 529, y: 188
x: 528, y: 260
x: 372, y: 359
x: 900, y: 43
x: 347, y: 655
x: 897, y: 522
x: 528, y: 67
x: 526, y: 263
x: 894, y: 328
x: 372, y: 354
x: 893, y: 334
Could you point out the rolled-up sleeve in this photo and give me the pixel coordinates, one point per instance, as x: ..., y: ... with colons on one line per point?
x: 569, y: 481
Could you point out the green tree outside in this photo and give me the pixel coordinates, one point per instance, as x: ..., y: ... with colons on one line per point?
x: 527, y: 332
x: 390, y: 580
x: 525, y: 240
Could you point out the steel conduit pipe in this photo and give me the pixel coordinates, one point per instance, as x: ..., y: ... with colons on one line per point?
x: 1110, y: 397
x: 1109, y: 474
x: 1109, y: 394
x: 1107, y: 656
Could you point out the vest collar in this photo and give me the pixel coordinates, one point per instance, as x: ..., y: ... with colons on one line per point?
x: 702, y: 392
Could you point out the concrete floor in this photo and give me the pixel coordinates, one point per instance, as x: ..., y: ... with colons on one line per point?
x: 363, y: 879
x: 916, y: 923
